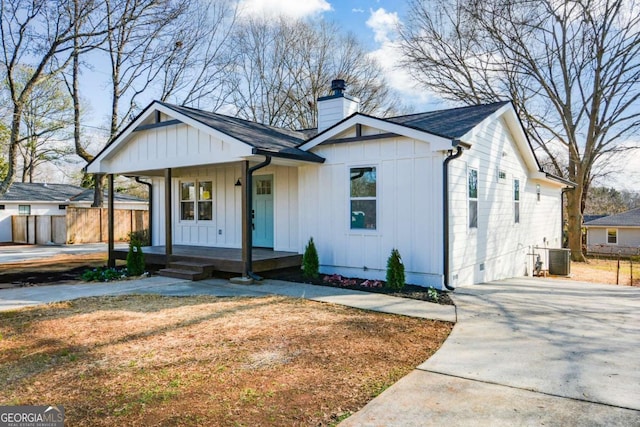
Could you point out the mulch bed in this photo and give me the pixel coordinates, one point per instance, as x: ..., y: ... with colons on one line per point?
x: 410, y: 291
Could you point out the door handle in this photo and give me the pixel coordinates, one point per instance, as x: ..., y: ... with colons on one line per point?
x: 253, y: 226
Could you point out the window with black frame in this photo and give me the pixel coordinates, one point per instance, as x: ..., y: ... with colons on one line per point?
x: 363, y: 198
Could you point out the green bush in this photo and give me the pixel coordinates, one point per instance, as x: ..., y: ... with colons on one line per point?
x: 103, y: 274
x: 310, y: 262
x: 395, y: 271
x: 135, y: 257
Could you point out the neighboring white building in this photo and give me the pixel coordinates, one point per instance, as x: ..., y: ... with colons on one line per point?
x: 615, y: 234
x: 360, y: 187
x: 50, y: 199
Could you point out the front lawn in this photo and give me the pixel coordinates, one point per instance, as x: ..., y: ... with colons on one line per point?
x: 152, y: 360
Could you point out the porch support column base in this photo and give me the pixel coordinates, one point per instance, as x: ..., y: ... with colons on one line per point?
x: 241, y: 280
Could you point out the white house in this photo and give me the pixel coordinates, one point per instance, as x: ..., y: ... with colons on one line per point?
x: 459, y: 192
x: 24, y: 198
x: 615, y: 234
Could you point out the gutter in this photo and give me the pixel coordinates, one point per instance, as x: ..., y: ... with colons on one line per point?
x: 445, y: 211
x: 248, y: 239
x: 150, y: 187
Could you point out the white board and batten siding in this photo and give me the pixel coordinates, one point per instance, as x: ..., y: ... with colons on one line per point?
x: 409, y: 209
x: 171, y: 146
x: 498, y: 248
x: 12, y: 208
x: 225, y: 228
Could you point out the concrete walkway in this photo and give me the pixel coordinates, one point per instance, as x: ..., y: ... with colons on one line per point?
x: 14, y: 298
x: 526, y: 352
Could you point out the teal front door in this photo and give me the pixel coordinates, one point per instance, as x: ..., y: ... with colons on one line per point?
x: 263, y: 211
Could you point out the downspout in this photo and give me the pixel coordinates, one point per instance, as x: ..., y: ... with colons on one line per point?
x: 248, y: 238
x: 150, y: 187
x: 445, y: 211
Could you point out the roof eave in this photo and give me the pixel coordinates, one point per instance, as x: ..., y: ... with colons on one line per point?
x: 305, y: 156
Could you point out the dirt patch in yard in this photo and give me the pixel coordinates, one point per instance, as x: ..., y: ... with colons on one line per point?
x: 49, y: 271
x: 599, y: 270
x: 151, y: 360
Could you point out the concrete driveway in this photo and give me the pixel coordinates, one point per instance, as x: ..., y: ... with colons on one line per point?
x: 526, y: 352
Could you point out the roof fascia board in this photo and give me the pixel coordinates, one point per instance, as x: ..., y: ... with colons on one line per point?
x: 551, y: 179
x: 587, y: 225
x: 438, y: 143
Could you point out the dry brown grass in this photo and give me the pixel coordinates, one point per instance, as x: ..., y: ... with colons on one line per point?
x: 605, y: 271
x: 151, y: 360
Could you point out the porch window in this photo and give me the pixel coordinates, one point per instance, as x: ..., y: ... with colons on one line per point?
x: 205, y: 203
x: 187, y: 201
x: 24, y: 209
x: 516, y: 201
x: 612, y: 236
x: 196, y: 194
x: 363, y: 181
x: 473, y: 198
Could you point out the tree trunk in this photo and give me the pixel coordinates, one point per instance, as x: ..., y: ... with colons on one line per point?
x: 12, y: 162
x: 574, y: 224
x: 98, y: 191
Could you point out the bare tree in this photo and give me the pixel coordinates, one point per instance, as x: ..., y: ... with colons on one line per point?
x: 572, y: 69
x: 40, y: 34
x: 46, y: 118
x: 157, y: 49
x: 285, y: 66
x: 198, y: 71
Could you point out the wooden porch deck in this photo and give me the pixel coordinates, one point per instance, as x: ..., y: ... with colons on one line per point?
x: 228, y: 260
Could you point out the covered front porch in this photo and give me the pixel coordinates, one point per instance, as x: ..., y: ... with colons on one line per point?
x: 227, y: 260
x: 215, y: 182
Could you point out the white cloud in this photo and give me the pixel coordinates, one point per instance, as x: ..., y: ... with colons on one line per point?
x: 357, y: 10
x: 288, y: 8
x: 384, y: 24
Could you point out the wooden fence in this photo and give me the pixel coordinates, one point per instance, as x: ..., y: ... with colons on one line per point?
x: 79, y: 225
x: 39, y: 229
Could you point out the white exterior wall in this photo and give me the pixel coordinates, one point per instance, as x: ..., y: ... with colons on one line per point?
x: 172, y: 146
x: 11, y: 208
x: 628, y: 240
x: 498, y: 247
x: 225, y: 230
x: 409, y: 209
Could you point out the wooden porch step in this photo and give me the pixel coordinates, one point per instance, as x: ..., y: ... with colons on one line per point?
x: 188, y: 270
x: 183, y: 274
x: 198, y: 266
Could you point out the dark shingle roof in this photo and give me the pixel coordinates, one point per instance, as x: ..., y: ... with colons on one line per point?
x: 451, y: 123
x: 23, y: 191
x: 39, y: 192
x: 267, y: 138
x: 625, y: 219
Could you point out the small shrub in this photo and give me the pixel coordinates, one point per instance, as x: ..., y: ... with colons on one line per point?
x: 135, y: 257
x: 433, y: 294
x: 310, y: 262
x: 104, y: 274
x: 395, y: 271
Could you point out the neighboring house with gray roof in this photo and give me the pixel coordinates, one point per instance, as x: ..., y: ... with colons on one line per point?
x: 615, y: 234
x: 459, y: 191
x: 51, y: 199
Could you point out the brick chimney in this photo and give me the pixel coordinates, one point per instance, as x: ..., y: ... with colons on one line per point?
x: 337, y: 106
